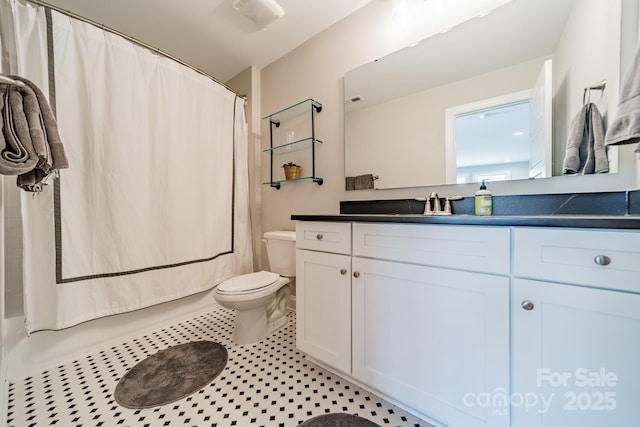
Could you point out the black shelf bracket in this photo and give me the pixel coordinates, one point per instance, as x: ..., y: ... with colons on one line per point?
x: 272, y: 123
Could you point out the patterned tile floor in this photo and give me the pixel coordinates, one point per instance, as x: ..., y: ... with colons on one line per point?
x: 269, y: 383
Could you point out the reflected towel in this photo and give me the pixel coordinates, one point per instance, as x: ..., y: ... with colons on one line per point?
x: 364, y: 182
x: 350, y: 183
x: 30, y: 144
x: 625, y: 128
x: 586, y: 152
x: 360, y: 182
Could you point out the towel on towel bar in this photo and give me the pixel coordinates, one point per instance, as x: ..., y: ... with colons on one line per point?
x: 625, y: 128
x: 364, y: 182
x: 360, y: 182
x: 350, y: 183
x: 585, y: 152
x: 30, y: 144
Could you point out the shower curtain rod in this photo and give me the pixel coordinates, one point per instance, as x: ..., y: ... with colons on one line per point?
x: 132, y: 40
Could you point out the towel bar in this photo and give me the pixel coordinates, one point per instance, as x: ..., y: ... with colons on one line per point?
x: 9, y: 81
x: 586, y: 95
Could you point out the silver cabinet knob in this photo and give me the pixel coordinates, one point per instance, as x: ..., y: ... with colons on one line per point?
x: 319, y: 236
x: 602, y: 260
x: 356, y: 274
x: 343, y: 271
x: 527, y: 305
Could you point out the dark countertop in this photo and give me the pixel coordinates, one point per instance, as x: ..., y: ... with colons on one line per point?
x: 567, y: 221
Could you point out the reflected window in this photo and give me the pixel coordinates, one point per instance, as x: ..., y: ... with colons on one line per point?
x: 504, y: 175
x: 493, y: 143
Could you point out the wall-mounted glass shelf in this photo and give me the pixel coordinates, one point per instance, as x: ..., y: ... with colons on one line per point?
x: 293, y: 146
x: 293, y: 111
x: 300, y: 121
x: 276, y: 184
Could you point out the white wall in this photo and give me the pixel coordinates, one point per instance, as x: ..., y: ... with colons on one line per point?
x: 247, y: 83
x: 409, y: 124
x: 316, y: 70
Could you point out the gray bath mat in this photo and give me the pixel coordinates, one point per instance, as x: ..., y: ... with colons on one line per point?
x: 171, y: 374
x: 338, y: 420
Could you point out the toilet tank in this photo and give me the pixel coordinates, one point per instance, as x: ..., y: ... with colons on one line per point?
x: 281, y: 252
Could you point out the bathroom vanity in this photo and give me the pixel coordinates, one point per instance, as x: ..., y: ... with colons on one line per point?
x: 497, y: 321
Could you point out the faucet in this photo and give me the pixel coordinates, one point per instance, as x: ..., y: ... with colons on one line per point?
x: 436, y: 205
x: 437, y: 208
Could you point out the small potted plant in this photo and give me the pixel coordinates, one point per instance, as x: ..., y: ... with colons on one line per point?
x: 291, y: 170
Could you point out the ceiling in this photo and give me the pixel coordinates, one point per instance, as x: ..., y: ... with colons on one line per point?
x: 210, y: 34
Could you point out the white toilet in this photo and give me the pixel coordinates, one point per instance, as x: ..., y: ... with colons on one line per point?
x: 260, y: 299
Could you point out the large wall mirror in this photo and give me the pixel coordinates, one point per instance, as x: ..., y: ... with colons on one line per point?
x: 493, y: 98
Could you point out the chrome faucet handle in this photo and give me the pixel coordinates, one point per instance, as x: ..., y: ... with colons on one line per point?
x: 427, y: 206
x: 447, y: 204
x: 447, y: 207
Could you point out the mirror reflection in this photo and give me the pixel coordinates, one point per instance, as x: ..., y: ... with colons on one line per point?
x: 409, y: 115
x: 491, y: 144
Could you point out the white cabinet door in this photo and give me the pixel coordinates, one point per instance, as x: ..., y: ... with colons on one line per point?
x: 576, y: 356
x: 432, y: 338
x: 323, y: 307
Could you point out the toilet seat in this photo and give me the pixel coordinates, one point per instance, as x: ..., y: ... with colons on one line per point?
x: 247, y: 283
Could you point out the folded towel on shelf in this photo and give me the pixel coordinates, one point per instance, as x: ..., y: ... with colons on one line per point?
x: 586, y: 152
x: 30, y: 144
x: 625, y: 128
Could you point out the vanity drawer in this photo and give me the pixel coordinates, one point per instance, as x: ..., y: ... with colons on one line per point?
x: 604, y: 259
x: 483, y: 249
x: 324, y: 236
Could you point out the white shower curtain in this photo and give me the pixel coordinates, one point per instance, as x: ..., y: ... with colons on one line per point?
x: 154, y: 206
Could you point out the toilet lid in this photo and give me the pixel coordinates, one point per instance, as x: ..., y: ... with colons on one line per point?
x: 248, y: 282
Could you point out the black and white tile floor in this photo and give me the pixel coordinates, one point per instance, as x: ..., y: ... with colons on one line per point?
x: 269, y: 383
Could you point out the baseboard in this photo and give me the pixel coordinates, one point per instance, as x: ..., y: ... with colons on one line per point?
x: 291, y: 304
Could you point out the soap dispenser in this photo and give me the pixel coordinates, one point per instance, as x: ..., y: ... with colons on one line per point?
x: 483, y: 201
